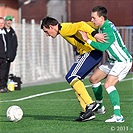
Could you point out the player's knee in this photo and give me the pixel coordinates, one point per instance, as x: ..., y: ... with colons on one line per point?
x: 92, y: 79
x: 106, y: 85
x: 69, y: 78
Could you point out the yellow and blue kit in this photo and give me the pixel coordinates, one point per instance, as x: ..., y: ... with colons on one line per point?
x: 88, y: 58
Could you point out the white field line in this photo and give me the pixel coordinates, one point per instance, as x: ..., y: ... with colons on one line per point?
x: 51, y: 92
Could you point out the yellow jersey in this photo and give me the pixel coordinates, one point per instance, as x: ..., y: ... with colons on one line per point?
x: 70, y: 32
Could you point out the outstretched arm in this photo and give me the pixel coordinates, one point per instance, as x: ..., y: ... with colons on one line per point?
x: 102, y: 46
x: 99, y: 36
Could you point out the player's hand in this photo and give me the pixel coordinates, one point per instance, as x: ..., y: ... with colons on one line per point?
x: 101, y: 37
x: 84, y: 35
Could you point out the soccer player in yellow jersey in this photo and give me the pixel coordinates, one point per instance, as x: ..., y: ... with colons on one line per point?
x: 88, y: 59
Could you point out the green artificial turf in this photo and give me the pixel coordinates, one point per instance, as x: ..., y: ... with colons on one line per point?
x: 49, y: 110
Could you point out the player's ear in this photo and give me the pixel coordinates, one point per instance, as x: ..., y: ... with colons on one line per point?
x: 50, y: 27
x: 102, y: 18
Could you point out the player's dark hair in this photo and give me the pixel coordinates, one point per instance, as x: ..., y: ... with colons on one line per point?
x: 47, y: 21
x: 101, y: 11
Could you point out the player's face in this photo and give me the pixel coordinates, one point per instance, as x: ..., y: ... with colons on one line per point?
x: 50, y: 31
x: 98, y: 21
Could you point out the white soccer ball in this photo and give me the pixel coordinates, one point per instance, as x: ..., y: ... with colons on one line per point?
x: 14, y: 113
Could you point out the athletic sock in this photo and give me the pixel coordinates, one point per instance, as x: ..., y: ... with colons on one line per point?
x: 115, y: 100
x: 82, y: 103
x: 80, y: 89
x: 97, y: 89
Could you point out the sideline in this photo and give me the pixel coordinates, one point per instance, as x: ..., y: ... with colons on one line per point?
x: 51, y: 92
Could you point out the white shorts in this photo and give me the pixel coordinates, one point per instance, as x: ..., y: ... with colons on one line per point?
x: 119, y: 69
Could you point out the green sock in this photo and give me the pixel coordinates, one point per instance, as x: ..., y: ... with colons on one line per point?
x: 97, y: 89
x: 115, y: 100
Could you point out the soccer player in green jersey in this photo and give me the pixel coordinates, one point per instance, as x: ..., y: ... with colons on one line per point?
x: 88, y: 59
x: 118, y: 65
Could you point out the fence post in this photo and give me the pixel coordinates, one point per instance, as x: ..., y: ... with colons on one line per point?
x: 42, y: 53
x: 33, y: 59
x: 24, y: 49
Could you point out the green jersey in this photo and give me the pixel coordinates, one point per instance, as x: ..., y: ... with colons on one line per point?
x: 117, y: 51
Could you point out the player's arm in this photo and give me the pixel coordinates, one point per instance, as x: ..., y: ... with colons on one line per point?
x: 86, y: 26
x: 70, y: 40
x: 102, y: 46
x: 100, y: 37
x: 74, y: 42
x: 69, y: 29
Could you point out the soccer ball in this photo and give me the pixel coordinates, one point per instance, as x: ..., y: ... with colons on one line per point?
x: 14, y: 113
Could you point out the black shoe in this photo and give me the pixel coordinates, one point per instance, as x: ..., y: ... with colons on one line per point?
x: 5, y: 90
x: 85, y: 116
x: 93, y: 107
x: 88, y: 115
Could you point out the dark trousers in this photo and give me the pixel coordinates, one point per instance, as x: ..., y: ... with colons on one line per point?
x: 84, y: 65
x: 3, y: 82
x: 7, y: 70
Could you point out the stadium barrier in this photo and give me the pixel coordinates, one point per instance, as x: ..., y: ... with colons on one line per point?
x: 41, y: 58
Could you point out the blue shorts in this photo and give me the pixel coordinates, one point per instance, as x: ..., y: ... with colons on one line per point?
x: 84, y: 65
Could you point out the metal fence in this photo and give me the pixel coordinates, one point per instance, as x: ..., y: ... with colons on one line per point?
x: 127, y: 35
x: 39, y: 57
x: 42, y: 58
